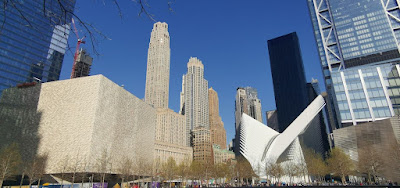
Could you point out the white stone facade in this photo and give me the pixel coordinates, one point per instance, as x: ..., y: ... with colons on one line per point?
x: 158, y: 65
x: 195, y: 94
x: 84, y: 118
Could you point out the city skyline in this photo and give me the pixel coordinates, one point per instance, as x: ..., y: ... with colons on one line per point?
x: 240, y: 93
x: 123, y: 59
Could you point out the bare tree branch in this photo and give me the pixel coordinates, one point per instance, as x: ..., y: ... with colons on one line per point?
x: 118, y: 7
x: 20, y: 13
x: 143, y: 9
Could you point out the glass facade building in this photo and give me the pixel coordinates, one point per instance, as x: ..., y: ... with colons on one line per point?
x: 33, y: 40
x: 357, y: 42
x: 288, y: 77
x: 292, y: 92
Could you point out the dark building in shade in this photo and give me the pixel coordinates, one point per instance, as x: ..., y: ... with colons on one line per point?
x: 292, y: 93
x: 288, y: 78
x: 316, y: 136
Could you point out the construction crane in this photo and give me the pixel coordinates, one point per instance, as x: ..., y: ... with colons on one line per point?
x: 80, y: 40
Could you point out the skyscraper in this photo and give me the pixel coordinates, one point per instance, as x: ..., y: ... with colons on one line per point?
x: 82, y: 64
x: 29, y: 49
x: 218, y: 132
x: 158, y: 63
x: 292, y: 93
x: 195, y: 97
x: 170, y: 134
x: 246, y: 102
x: 358, y: 46
x: 288, y: 78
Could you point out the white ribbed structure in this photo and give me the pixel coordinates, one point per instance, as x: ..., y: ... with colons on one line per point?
x: 158, y: 62
x: 260, y: 144
x: 195, y: 97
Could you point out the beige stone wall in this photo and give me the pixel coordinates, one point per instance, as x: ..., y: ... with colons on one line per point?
x: 171, y: 138
x: 178, y: 152
x: 171, y: 127
x: 84, y: 118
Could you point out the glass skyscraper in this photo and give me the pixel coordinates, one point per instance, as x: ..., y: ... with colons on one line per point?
x: 292, y: 93
x: 358, y: 47
x: 288, y: 77
x: 33, y: 40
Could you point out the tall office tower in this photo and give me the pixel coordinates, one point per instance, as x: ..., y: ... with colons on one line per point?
x: 358, y: 47
x: 316, y: 136
x: 288, y: 78
x: 31, y: 50
x: 171, y: 132
x: 292, y: 93
x: 195, y: 97
x: 82, y: 64
x: 218, y: 132
x: 158, y: 60
x: 246, y: 102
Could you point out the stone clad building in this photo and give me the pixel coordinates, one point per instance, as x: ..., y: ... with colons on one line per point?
x: 376, y: 141
x: 171, y: 138
x: 170, y: 134
x: 158, y: 63
x: 222, y: 155
x: 78, y: 121
x: 218, y: 133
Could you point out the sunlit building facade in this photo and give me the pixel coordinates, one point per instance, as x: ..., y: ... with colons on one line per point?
x: 218, y: 132
x: 194, y: 97
x: 158, y: 63
x: 33, y: 49
x: 358, y: 46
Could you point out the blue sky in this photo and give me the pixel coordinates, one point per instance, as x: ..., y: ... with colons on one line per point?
x: 230, y: 37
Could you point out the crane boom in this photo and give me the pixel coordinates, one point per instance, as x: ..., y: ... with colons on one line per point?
x: 80, y: 40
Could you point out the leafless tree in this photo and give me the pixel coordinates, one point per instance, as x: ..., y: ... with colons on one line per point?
x: 36, y: 169
x: 340, y: 164
x: 183, y: 170
x: 292, y: 170
x: 10, y: 158
x: 316, y: 165
x: 125, y: 169
x: 63, y: 167
x: 104, y: 165
x: 169, y: 170
x: 243, y: 170
x: 143, y: 167
x: 276, y: 171
x: 143, y: 8
x: 370, y: 162
x: 83, y: 169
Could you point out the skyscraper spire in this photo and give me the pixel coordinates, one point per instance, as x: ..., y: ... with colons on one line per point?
x: 158, y: 63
